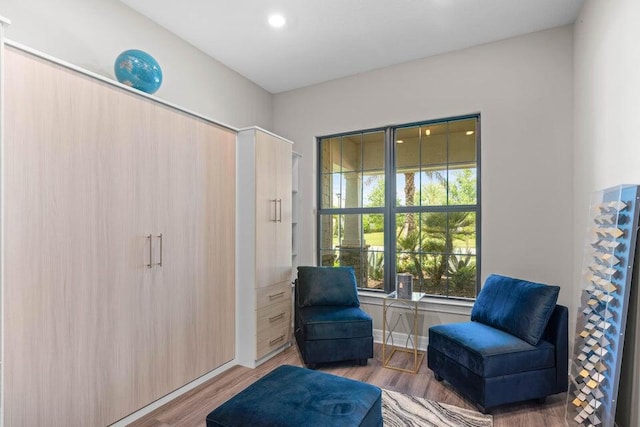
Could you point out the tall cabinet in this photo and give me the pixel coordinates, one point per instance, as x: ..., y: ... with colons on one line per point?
x: 118, y: 239
x: 264, y: 245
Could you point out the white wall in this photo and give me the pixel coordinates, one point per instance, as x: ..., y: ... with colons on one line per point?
x: 523, y: 89
x: 607, y: 145
x: 92, y: 33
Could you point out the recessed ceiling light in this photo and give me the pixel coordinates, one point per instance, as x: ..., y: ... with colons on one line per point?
x: 427, y: 132
x: 399, y: 141
x: 469, y: 132
x: 277, y: 21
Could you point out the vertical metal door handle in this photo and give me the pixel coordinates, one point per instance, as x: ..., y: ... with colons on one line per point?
x: 160, y: 237
x: 280, y: 215
x: 275, y: 210
x: 150, y: 237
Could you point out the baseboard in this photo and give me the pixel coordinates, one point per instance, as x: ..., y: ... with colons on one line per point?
x: 174, y: 394
x: 271, y: 355
x: 400, y: 339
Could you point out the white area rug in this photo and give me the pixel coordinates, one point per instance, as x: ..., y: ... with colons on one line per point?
x: 399, y: 410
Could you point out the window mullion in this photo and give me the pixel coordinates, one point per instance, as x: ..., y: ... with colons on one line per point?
x: 390, y: 218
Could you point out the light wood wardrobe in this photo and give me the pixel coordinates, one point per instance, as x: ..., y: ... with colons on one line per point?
x: 264, y: 245
x: 118, y: 246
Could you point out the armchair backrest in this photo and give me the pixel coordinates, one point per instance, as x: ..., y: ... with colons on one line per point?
x: 326, y: 286
x: 516, y: 306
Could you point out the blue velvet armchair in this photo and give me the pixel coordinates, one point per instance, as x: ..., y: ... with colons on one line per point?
x: 329, y: 324
x: 515, y: 347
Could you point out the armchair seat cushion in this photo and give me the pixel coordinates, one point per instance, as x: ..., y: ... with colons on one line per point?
x: 490, y: 352
x: 334, y: 322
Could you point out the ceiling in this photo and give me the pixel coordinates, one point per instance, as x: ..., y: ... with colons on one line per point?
x: 327, y: 39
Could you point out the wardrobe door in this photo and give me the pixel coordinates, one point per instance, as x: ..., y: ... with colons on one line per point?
x: 70, y: 246
x: 194, y: 252
x: 173, y: 234
x: 214, y: 304
x: 267, y: 269
x: 283, y: 233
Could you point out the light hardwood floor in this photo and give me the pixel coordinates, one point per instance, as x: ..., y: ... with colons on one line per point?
x: 191, y: 408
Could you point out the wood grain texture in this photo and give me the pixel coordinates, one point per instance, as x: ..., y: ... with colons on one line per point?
x: 273, y: 210
x: 274, y: 316
x: 214, y: 306
x: 264, y: 240
x: 191, y: 409
x: 91, y: 333
x: 69, y: 240
x: 273, y: 294
x: 266, y: 210
x: 273, y: 321
x: 272, y: 339
x: 283, y: 242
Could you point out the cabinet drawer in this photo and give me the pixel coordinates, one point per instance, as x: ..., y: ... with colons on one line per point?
x: 272, y: 338
x: 273, y: 316
x: 273, y: 294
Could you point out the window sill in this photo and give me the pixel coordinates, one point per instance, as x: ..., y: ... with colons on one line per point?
x: 440, y: 305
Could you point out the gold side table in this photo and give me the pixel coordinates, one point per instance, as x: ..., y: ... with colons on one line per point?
x: 411, y: 345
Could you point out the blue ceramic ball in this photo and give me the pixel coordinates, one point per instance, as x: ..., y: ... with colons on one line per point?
x: 139, y: 70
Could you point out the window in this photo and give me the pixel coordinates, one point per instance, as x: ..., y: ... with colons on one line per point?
x: 352, y: 204
x: 405, y: 193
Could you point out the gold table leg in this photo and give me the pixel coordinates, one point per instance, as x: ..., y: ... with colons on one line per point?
x: 418, y: 356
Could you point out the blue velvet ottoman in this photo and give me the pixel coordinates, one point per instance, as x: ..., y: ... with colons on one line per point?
x: 293, y: 396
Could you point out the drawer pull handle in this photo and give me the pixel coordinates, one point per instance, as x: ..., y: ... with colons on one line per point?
x: 275, y: 340
x: 278, y: 295
x: 274, y: 318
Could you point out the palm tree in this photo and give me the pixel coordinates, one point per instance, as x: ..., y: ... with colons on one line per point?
x: 437, y: 231
x: 409, y: 197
